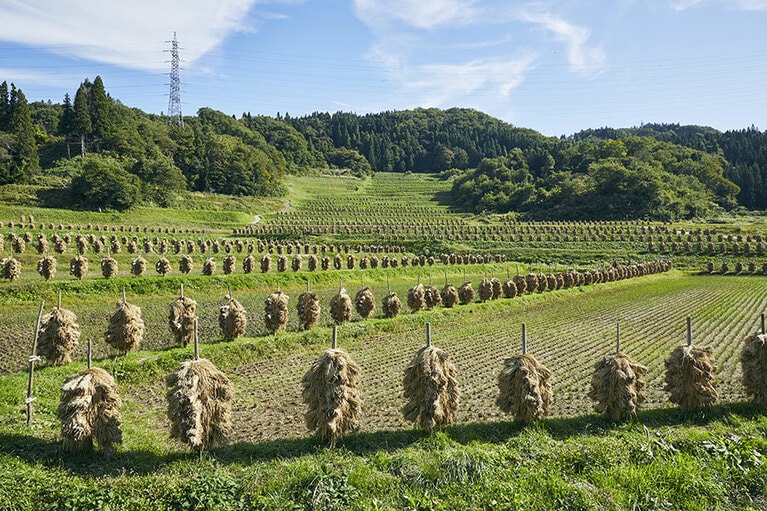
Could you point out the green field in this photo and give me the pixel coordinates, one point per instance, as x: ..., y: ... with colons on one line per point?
x: 574, y: 459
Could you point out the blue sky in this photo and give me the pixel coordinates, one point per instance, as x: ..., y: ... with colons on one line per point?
x: 556, y: 66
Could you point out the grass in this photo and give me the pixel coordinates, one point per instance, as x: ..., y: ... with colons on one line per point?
x: 662, y: 459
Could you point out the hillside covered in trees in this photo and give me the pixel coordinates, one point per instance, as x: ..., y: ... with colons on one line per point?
x: 108, y: 155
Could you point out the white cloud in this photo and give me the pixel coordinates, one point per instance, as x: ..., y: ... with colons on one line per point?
x: 582, y: 57
x: 443, y: 84
x: 130, y: 34
x: 422, y: 14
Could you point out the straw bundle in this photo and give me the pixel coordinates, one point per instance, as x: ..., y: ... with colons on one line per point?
x: 59, y: 336
x: 125, y: 330
x: 282, y: 263
x: 248, y: 264
x: 78, y: 267
x: 753, y: 361
x: 416, y: 299
x: 509, y: 289
x: 232, y: 319
x: 341, y: 307
x: 186, y: 263
x: 449, y: 295
x: 391, y: 305
x: 138, y: 266
x: 525, y: 388
x: 329, y: 389
x: 199, y: 404
x: 209, y: 266
x: 617, y: 386
x: 497, y: 288
x: 108, y: 267
x: 689, y: 377
x: 89, y: 408
x: 313, y: 261
x: 431, y: 296
x: 230, y: 263
x: 466, y: 293
x: 521, y: 283
x: 181, y: 318
x: 162, y: 267
x: 266, y: 263
x: 431, y: 389
x: 485, y: 290
x: 365, y: 302
x: 276, y: 311
x: 531, y: 279
x: 295, y: 264
x: 308, y: 310
x: 46, y: 267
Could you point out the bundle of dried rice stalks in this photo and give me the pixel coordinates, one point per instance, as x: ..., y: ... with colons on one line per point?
x: 186, y: 264
x: 46, y: 267
x: 78, y: 267
x: 209, y: 266
x: 138, y: 266
x: 431, y: 296
x: 431, y: 389
x: 181, y: 318
x: 125, y: 330
x: 232, y: 319
x: 497, y: 288
x: 466, y: 293
x: 296, y: 263
x: 59, y: 336
x: 485, y: 290
x: 365, y: 302
x: 617, y: 386
x: 329, y: 389
x: 89, y: 408
x: 162, y: 266
x: 416, y: 298
x: 341, y: 307
x: 391, y: 305
x: 509, y: 289
x: 449, y: 295
x: 753, y: 361
x: 525, y: 388
x: 199, y: 404
x: 532, y: 282
x: 108, y: 267
x: 689, y: 377
x: 521, y: 283
x: 276, y: 311
x: 266, y: 263
x: 308, y: 310
x: 248, y: 264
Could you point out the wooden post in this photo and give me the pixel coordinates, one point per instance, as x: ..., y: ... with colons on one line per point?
x: 762, y: 322
x: 617, y: 338
x: 335, y: 337
x: 689, y: 331
x: 90, y: 353
x: 428, y: 334
x: 58, y: 306
x: 524, y: 339
x: 32, y: 359
x: 196, y: 342
x: 182, y: 290
x: 124, y: 298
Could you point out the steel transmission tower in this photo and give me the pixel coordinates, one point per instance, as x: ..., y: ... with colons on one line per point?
x: 174, y: 98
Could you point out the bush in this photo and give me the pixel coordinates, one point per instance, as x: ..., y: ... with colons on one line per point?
x: 103, y: 183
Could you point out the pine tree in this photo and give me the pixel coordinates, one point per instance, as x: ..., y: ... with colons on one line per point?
x: 100, y: 110
x: 26, y: 158
x: 82, y: 118
x: 5, y: 107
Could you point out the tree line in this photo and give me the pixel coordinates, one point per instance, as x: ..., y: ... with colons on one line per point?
x: 113, y: 156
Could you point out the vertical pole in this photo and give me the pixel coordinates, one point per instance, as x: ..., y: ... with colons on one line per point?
x: 762, y: 322
x: 524, y: 339
x: 196, y: 342
x: 182, y: 290
x: 689, y: 331
x: 617, y: 338
x: 90, y: 353
x: 124, y: 298
x: 58, y: 306
x: 32, y: 360
x: 335, y: 337
x: 428, y: 334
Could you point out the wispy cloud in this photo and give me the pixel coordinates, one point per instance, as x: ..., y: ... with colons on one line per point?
x: 739, y: 5
x: 422, y: 14
x: 582, y: 57
x: 128, y: 34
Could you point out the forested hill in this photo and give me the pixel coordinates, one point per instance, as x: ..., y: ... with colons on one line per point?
x: 113, y: 156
